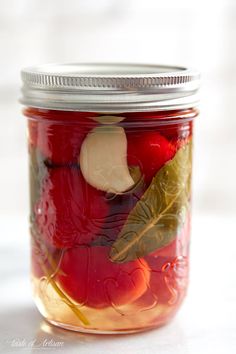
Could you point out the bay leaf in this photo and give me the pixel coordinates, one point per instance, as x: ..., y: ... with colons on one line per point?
x: 159, y: 215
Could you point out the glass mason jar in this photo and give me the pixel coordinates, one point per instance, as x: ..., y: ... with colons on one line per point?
x: 110, y: 150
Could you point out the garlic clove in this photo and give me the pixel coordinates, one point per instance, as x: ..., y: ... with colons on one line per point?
x: 108, y: 119
x: 103, y: 159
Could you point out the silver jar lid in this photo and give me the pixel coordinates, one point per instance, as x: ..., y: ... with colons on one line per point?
x: 110, y: 87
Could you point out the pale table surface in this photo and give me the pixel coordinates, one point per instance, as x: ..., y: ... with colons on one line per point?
x: 205, y: 324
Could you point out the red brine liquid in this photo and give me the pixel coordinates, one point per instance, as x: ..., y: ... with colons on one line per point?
x: 110, y: 216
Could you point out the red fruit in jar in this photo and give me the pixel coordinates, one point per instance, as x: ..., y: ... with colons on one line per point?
x: 159, y: 263
x: 169, y: 271
x: 150, y: 151
x: 59, y: 142
x: 90, y: 278
x: 178, y: 134
x: 69, y: 210
x: 177, y: 128
x: 168, y: 281
x: 160, y: 268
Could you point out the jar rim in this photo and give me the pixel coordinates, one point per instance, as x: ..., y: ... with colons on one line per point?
x: 110, y: 87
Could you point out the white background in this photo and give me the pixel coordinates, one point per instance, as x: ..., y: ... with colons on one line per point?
x: 200, y: 34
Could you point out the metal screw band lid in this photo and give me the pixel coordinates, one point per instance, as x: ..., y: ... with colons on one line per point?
x: 110, y: 87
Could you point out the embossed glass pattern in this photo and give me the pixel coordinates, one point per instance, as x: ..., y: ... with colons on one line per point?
x: 110, y: 216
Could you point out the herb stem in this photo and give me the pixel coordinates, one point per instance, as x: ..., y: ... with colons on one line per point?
x: 62, y: 295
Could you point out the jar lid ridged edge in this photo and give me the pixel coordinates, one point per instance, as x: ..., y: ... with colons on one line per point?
x: 121, y: 81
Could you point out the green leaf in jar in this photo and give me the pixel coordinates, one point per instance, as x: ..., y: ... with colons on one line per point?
x: 160, y: 214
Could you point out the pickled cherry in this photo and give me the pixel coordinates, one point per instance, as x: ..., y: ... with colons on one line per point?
x: 90, y: 278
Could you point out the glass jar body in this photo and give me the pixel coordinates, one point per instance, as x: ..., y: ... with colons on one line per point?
x: 110, y: 217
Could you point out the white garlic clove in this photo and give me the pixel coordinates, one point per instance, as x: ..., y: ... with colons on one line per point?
x: 108, y: 119
x: 103, y: 159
